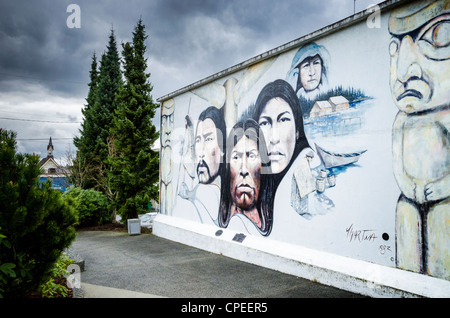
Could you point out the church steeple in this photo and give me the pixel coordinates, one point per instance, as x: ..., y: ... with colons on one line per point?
x: 50, y: 149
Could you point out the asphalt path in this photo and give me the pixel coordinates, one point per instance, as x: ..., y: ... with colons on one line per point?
x: 117, y: 265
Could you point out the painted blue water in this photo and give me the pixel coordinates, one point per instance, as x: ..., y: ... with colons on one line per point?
x: 338, y: 123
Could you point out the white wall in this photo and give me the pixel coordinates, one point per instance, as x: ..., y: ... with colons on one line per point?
x: 359, y: 221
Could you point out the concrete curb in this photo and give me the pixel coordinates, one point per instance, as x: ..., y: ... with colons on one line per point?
x: 95, y: 291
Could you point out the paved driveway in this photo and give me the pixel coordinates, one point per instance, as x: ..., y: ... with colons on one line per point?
x: 159, y: 267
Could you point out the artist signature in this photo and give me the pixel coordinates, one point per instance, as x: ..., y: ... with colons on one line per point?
x: 360, y: 235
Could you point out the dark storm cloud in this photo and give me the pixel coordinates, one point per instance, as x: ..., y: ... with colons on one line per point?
x: 35, y: 45
x: 39, y: 47
x: 44, y: 65
x: 210, y: 35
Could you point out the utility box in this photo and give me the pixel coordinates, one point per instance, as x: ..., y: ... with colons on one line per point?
x: 134, y: 226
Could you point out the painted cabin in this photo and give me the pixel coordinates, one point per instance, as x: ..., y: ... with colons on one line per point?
x: 321, y: 108
x: 338, y: 103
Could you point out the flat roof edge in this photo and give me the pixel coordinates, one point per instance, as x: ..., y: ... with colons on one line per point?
x: 341, y: 24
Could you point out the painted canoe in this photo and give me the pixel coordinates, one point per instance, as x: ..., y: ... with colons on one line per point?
x: 330, y: 159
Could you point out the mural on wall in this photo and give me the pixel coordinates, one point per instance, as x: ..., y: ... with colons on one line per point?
x: 166, y: 187
x: 308, y: 72
x: 208, y: 154
x: 420, y: 86
x: 326, y: 112
x: 279, y: 115
x: 247, y: 190
x: 282, y: 149
x: 228, y: 95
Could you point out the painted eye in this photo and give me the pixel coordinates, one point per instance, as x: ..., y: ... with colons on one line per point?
x: 434, y: 41
x: 305, y: 65
x: 317, y: 62
x: 393, y: 47
x: 263, y: 123
x: 438, y: 35
x: 284, y: 119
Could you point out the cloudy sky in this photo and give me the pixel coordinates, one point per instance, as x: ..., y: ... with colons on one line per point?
x: 44, y: 64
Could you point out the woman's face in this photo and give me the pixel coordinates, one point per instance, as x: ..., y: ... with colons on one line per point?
x: 278, y: 126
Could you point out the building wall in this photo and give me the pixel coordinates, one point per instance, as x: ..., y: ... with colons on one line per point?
x: 50, y: 164
x: 59, y: 182
x: 383, y: 197
x: 55, y: 173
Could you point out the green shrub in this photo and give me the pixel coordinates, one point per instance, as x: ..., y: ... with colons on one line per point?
x: 37, y: 224
x: 55, y: 286
x: 91, y: 206
x: 6, y: 269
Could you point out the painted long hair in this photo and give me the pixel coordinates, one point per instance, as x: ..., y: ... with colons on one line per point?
x: 282, y: 89
x: 250, y: 129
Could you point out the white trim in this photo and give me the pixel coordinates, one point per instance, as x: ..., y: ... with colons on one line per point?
x: 48, y: 176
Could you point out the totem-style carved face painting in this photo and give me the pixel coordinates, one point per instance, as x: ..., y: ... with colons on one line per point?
x: 420, y: 57
x: 167, y: 123
x: 167, y: 114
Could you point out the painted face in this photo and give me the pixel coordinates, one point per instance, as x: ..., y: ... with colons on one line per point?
x: 310, y: 73
x: 245, y: 171
x: 420, y: 61
x: 207, y: 151
x: 166, y: 124
x: 167, y: 113
x: 278, y: 126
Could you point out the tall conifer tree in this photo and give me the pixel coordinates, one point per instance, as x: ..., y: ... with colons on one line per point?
x: 86, y: 140
x: 92, y: 144
x: 135, y: 166
x: 109, y: 84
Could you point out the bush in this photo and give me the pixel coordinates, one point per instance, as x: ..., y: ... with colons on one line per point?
x: 56, y: 285
x: 6, y: 269
x: 36, y: 223
x: 90, y: 205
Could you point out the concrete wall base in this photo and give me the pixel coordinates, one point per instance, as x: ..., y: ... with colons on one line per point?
x: 342, y: 272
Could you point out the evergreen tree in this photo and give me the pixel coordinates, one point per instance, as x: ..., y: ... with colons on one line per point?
x: 134, y: 165
x: 36, y: 223
x: 81, y: 165
x: 94, y: 74
x: 109, y: 84
x: 90, y: 163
